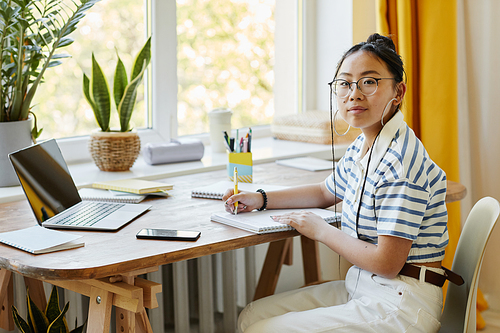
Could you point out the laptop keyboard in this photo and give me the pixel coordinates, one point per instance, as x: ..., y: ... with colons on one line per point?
x: 87, y: 213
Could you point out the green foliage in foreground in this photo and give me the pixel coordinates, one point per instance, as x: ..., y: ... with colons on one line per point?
x: 50, y: 321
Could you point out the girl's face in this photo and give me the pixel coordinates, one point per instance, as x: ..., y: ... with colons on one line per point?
x: 365, y: 112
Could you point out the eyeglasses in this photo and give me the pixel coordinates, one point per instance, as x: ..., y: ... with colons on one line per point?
x: 366, y: 85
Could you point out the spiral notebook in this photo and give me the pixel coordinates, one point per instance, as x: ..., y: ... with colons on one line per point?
x: 261, y: 222
x: 38, y: 240
x: 217, y: 190
x: 93, y: 194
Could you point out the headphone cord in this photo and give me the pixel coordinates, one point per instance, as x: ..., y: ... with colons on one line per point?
x: 364, y: 184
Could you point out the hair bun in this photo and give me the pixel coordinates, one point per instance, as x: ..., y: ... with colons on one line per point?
x: 378, y: 40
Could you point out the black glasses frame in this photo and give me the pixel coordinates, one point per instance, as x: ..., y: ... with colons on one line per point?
x: 357, y: 85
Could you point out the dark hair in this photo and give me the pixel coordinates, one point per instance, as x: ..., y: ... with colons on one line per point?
x: 382, y: 47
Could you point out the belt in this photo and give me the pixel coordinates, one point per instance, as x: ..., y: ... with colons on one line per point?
x: 430, y: 276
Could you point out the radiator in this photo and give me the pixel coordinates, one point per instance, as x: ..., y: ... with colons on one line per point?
x: 205, y: 294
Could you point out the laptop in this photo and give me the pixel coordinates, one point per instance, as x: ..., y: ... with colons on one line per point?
x: 54, y: 198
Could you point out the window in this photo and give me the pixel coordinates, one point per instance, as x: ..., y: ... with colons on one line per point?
x: 264, y: 86
x: 109, y: 27
x: 225, y: 58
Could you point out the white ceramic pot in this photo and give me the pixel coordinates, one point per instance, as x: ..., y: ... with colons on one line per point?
x: 14, y: 135
x: 220, y: 121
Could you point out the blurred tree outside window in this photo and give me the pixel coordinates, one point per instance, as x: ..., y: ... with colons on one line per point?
x: 109, y: 27
x: 225, y: 58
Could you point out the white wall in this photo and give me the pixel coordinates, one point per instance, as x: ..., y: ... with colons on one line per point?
x: 482, y: 45
x: 334, y: 37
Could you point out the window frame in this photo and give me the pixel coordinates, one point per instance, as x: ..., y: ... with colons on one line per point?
x: 161, y: 77
x: 292, y: 72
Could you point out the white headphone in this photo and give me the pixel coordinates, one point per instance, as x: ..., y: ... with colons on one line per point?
x: 383, y: 113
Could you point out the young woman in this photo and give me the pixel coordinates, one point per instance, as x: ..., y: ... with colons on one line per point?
x: 393, y: 215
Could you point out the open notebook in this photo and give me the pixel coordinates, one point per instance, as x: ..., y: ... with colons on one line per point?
x: 261, y: 222
x: 217, y: 190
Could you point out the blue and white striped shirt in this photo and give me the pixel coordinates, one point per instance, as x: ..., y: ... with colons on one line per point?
x: 404, y: 193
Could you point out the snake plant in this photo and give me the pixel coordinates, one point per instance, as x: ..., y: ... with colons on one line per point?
x: 49, y: 321
x: 97, y: 93
x: 31, y: 34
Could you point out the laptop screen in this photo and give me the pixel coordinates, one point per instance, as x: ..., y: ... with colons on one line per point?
x: 45, y: 179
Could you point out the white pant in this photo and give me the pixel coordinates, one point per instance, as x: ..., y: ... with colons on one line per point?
x: 364, y: 302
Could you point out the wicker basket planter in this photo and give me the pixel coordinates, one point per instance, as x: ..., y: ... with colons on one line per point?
x: 114, y: 151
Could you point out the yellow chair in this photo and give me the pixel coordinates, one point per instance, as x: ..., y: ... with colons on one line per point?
x: 459, y: 314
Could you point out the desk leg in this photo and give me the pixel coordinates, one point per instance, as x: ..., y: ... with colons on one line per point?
x: 277, y: 255
x: 6, y: 299
x: 125, y: 320
x: 37, y: 293
x: 99, y: 310
x: 129, y: 294
x: 142, y: 322
x: 128, y: 321
x: 311, y: 261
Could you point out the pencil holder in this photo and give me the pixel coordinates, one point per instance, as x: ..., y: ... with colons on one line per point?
x: 243, y: 162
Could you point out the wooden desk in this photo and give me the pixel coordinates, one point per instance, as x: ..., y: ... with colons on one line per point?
x: 106, y: 269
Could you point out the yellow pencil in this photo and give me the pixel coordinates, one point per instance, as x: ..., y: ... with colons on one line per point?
x: 235, y: 176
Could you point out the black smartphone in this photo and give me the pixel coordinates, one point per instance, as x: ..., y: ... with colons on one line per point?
x: 180, y: 235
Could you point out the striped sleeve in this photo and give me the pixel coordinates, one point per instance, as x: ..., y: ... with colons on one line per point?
x: 337, y: 185
x: 400, y: 206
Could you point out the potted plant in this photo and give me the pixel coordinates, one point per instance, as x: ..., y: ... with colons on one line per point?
x: 51, y: 320
x: 115, y: 150
x: 31, y: 34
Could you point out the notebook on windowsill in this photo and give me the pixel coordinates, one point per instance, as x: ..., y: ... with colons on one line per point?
x: 307, y: 163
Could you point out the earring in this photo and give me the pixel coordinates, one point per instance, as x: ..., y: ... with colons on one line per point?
x: 383, y: 113
x: 335, y: 129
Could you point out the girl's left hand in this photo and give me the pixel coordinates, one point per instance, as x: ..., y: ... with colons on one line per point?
x: 307, y: 223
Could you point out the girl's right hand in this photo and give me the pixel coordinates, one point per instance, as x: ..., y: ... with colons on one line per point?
x: 247, y: 201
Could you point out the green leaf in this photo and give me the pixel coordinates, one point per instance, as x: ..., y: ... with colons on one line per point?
x: 61, y: 56
x: 78, y: 329
x: 65, y: 42
x: 52, y: 311
x: 144, y: 55
x: 86, y: 93
x: 54, y: 63
x: 35, y: 133
x: 36, y: 317
x: 59, y: 324
x: 120, y: 82
x: 60, y: 18
x: 100, y: 94
x: 20, y: 322
x: 127, y: 104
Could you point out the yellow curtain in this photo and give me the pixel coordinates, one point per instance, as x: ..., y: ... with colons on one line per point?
x: 424, y: 32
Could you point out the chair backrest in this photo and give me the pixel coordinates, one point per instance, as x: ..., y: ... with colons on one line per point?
x: 459, y: 314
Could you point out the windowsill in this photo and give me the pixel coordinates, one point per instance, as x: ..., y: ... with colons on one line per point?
x: 265, y: 150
